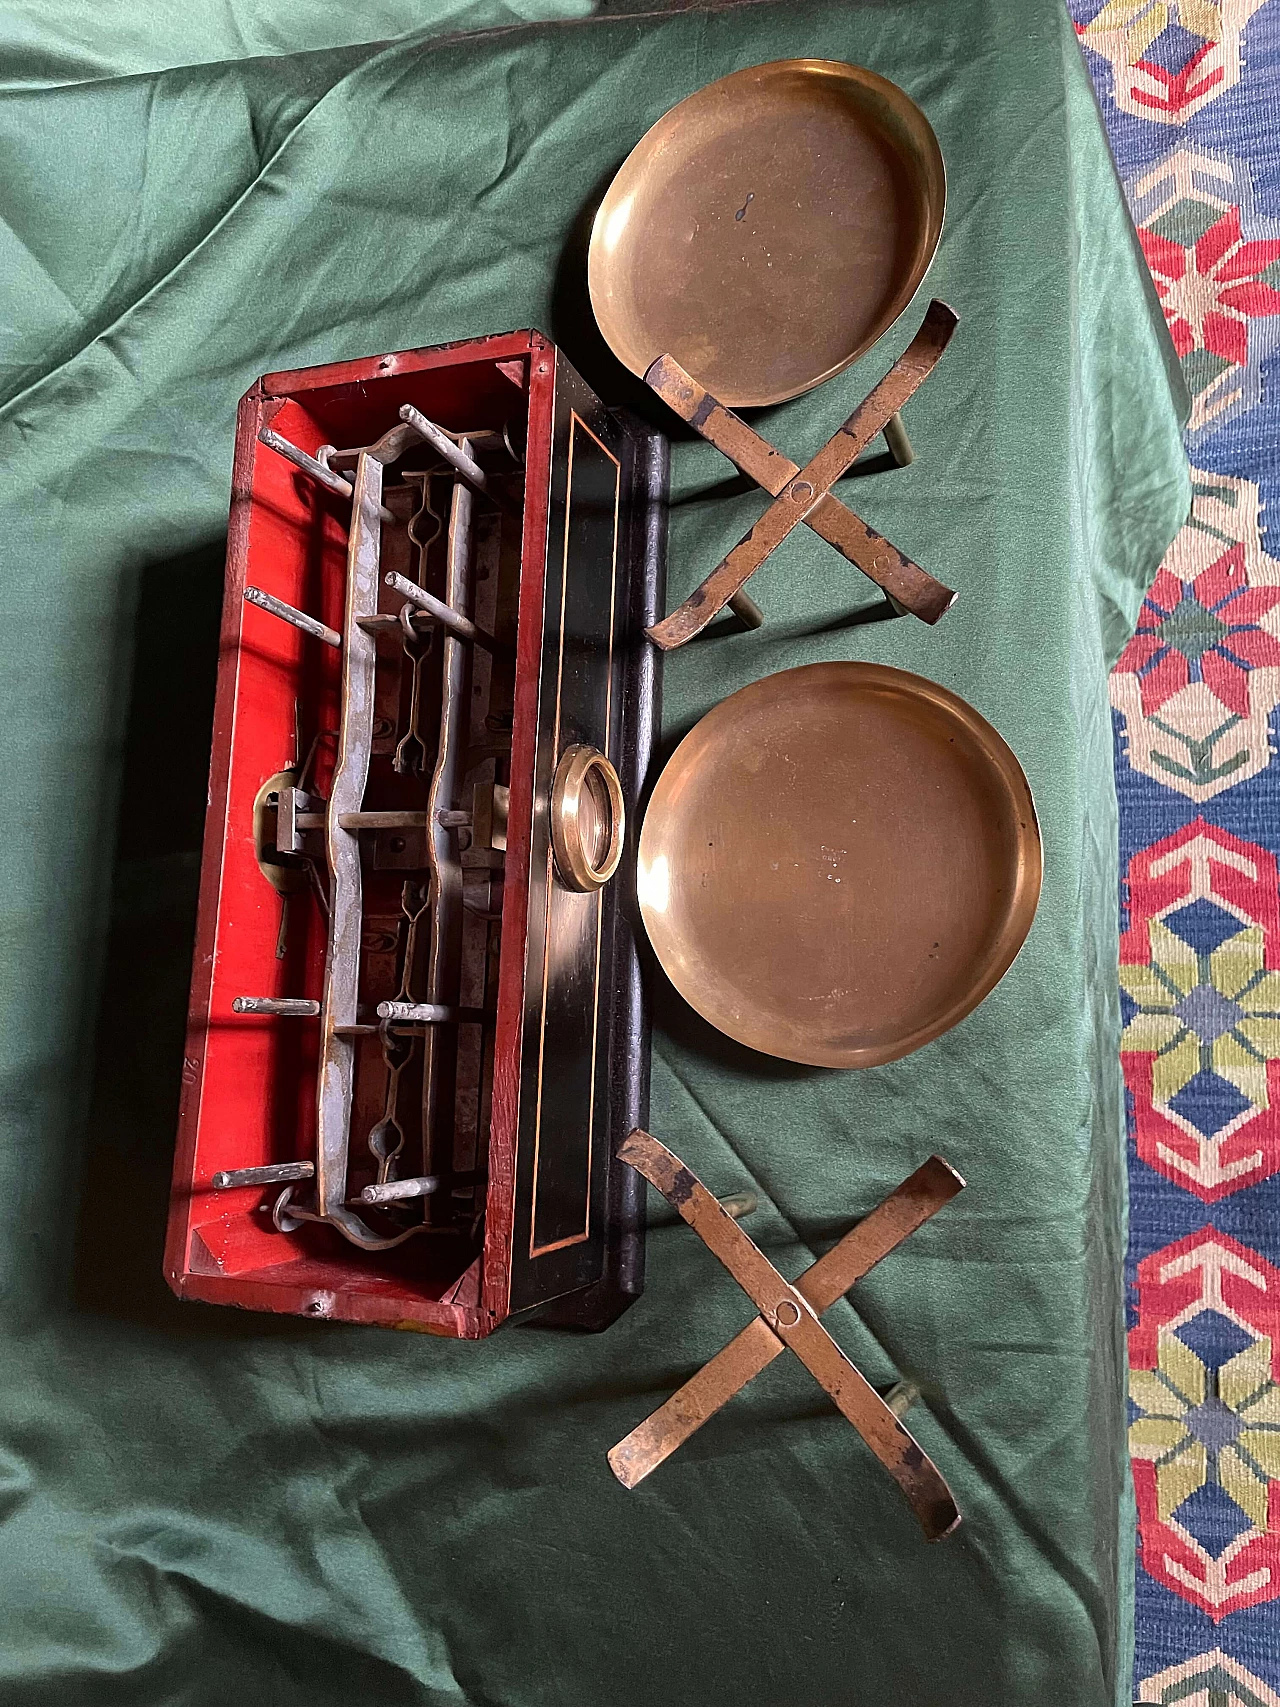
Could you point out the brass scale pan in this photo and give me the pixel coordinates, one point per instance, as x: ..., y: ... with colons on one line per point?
x: 839, y: 861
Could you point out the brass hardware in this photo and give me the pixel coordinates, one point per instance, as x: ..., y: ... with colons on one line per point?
x: 769, y: 229
x: 804, y: 494
x: 490, y: 804
x: 838, y: 863
x: 588, y: 819
x: 286, y: 875
x: 788, y: 1320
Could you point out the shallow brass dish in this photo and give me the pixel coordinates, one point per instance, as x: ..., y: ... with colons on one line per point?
x: 768, y: 229
x: 838, y: 863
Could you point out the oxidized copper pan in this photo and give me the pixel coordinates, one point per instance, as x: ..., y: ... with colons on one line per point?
x: 768, y: 229
x: 838, y: 863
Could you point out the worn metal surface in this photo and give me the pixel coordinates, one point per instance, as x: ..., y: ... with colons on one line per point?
x: 417, y: 1013
x: 335, y: 1088
x: 490, y: 805
x: 745, y: 608
x: 390, y: 820
x: 920, y: 1196
x: 411, y: 755
x: 444, y: 962
x: 288, y: 876
x: 284, y: 1007
x: 316, y: 469
x: 588, y: 818
x: 385, y: 622
x: 296, y: 813
x: 445, y: 615
x: 387, y: 1136
x: 389, y: 448
x: 274, y: 1173
x: 803, y: 494
x: 397, y: 441
x: 404, y: 1190
x: 768, y: 229
x: 838, y: 863
x: 457, y: 455
x: 787, y: 1319
x: 298, y: 618
x: 301, y: 459
x: 898, y: 440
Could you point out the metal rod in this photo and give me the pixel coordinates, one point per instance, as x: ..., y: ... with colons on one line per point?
x: 417, y: 1013
x: 739, y: 1203
x: 457, y: 458
x: 900, y: 446
x: 747, y: 611
x: 901, y: 1397
x: 349, y: 454
x: 308, y: 464
x: 388, y: 622
x: 396, y: 1190
x: 311, y: 466
x: 382, y: 820
x: 444, y: 614
x: 277, y: 1173
x: 284, y: 1007
x: 299, y: 618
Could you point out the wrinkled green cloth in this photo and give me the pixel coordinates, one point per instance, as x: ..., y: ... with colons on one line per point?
x: 200, y: 1507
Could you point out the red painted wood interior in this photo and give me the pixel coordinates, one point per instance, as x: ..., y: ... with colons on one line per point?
x: 250, y: 1081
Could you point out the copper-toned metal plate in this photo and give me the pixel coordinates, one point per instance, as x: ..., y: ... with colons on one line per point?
x: 755, y: 1348
x: 788, y: 1317
x: 838, y: 863
x: 768, y: 229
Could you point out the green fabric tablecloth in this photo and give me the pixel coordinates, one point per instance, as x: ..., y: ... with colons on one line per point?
x: 200, y: 1507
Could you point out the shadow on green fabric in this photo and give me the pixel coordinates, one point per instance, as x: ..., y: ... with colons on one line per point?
x: 141, y: 1014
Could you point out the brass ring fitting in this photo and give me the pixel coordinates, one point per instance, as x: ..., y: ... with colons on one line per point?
x: 588, y: 819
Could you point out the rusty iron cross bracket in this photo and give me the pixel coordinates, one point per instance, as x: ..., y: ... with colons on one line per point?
x: 804, y: 494
x: 788, y: 1321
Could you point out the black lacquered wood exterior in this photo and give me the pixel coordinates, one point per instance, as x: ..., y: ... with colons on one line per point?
x: 577, y: 1220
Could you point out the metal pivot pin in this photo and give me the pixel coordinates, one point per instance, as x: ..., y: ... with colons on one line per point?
x: 297, y: 618
x: 445, y: 615
x: 313, y: 468
x: 304, y: 461
x: 282, y: 1007
x: 422, y: 1185
x: 275, y: 1173
x: 895, y: 436
x: 460, y: 460
x: 747, y: 611
x: 418, y: 1013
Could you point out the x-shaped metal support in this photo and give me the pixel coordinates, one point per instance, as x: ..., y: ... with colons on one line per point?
x: 788, y: 1320
x: 804, y: 494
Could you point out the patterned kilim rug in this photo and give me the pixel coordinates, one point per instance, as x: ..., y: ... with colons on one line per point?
x: 1190, y: 90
